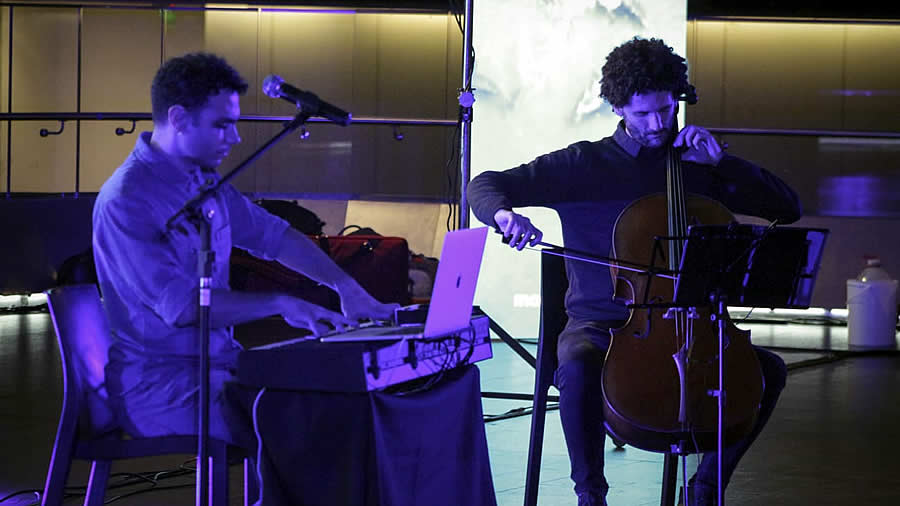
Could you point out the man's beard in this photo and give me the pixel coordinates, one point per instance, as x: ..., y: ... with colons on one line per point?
x: 653, y: 139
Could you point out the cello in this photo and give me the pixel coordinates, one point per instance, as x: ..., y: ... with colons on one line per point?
x: 663, y: 362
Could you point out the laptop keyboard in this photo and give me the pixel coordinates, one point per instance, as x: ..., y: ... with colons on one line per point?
x: 394, y: 331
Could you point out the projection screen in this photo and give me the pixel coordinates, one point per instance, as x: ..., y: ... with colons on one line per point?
x: 537, y: 67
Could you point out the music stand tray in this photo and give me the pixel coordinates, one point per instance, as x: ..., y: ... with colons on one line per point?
x: 749, y: 265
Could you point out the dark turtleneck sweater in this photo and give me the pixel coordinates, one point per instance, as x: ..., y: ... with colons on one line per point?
x: 588, y: 184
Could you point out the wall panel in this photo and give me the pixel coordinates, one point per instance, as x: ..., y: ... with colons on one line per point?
x: 370, y: 64
x: 412, y: 82
x: 184, y: 32
x: 314, y: 52
x: 454, y: 66
x: 872, y: 87
x: 121, y: 50
x: 825, y: 76
x: 779, y: 75
x: 4, y: 88
x: 365, y: 101
x: 706, y: 65
x: 102, y: 151
x: 120, y: 53
x: 44, y: 75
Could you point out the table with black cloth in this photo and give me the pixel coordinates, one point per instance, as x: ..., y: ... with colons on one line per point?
x: 417, y: 444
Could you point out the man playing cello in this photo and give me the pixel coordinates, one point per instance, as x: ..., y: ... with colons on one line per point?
x: 588, y: 184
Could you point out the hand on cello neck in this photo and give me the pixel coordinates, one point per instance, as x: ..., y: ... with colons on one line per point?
x: 698, y: 145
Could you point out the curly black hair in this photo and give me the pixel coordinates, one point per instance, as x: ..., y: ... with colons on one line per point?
x: 189, y: 81
x: 640, y: 66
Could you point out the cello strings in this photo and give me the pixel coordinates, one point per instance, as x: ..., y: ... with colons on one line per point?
x: 674, y: 220
x: 673, y: 205
x: 678, y: 228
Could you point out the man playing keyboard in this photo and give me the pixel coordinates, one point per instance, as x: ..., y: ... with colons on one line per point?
x: 148, y: 275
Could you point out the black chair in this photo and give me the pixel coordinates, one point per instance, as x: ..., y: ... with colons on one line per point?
x: 553, y: 320
x: 87, y: 428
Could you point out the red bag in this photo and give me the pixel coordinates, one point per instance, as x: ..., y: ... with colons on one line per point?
x: 379, y: 264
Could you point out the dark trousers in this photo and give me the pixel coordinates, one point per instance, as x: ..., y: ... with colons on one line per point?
x: 581, y: 351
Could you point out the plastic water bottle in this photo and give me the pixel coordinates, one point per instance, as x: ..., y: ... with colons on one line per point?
x: 873, y: 271
x: 872, y: 308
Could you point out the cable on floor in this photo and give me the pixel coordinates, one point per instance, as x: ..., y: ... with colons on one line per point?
x: 151, y: 477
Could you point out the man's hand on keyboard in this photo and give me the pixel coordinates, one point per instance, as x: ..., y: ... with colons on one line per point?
x: 357, y: 304
x: 301, y: 314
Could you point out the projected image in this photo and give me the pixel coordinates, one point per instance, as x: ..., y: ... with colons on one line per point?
x: 537, y: 76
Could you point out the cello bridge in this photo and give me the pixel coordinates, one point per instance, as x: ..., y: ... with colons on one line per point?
x: 690, y: 312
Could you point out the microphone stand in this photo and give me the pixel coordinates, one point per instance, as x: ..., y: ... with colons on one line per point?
x: 193, y: 213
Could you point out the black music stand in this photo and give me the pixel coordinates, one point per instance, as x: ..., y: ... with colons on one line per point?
x: 746, y: 265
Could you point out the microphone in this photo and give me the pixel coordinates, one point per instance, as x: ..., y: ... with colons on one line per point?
x: 275, y: 87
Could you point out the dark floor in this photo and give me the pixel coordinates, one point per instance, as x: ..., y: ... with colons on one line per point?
x: 833, y: 440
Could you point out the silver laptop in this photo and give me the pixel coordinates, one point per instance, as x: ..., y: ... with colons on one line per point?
x: 450, y: 309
